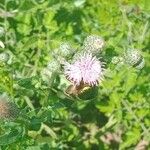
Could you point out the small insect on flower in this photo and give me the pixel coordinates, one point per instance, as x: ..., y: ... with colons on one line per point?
x: 86, y: 70
x: 77, y: 89
x: 8, y: 110
x: 93, y: 44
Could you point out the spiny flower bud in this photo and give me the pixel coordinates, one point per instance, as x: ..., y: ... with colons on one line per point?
x: 53, y: 66
x: 77, y: 55
x: 8, y: 110
x: 134, y: 58
x: 65, y: 50
x: 93, y: 44
x: 4, y: 57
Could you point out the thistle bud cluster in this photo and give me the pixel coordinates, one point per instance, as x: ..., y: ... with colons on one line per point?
x: 83, y: 66
x: 131, y: 57
x: 59, y: 57
x: 86, y: 68
x: 78, y: 65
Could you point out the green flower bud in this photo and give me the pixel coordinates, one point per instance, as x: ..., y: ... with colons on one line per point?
x: 4, y: 57
x: 134, y: 58
x: 93, y: 44
x: 65, y: 50
x: 53, y: 66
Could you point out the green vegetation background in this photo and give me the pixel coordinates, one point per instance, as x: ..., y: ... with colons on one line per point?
x: 30, y: 31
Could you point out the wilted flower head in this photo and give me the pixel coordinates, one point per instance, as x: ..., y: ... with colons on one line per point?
x: 86, y: 69
x: 8, y: 110
x: 93, y: 44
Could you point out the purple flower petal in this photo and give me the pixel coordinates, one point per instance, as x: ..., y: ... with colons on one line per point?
x: 87, y: 69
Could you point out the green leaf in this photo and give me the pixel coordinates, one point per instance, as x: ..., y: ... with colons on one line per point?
x: 11, y: 136
x: 131, y: 138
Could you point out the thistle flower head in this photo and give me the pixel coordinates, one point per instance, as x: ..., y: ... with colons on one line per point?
x: 4, y: 57
x: 8, y: 110
x: 65, y: 49
x: 53, y: 66
x: 93, y: 44
x: 86, y: 69
x: 132, y: 57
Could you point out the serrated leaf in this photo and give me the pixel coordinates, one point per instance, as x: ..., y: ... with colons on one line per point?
x: 131, y: 138
x: 11, y: 136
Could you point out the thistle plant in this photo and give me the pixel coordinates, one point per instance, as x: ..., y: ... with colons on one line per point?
x: 68, y: 98
x: 83, y: 68
x: 65, y: 95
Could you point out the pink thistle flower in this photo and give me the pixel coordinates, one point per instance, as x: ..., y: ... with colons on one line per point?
x: 86, y: 69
